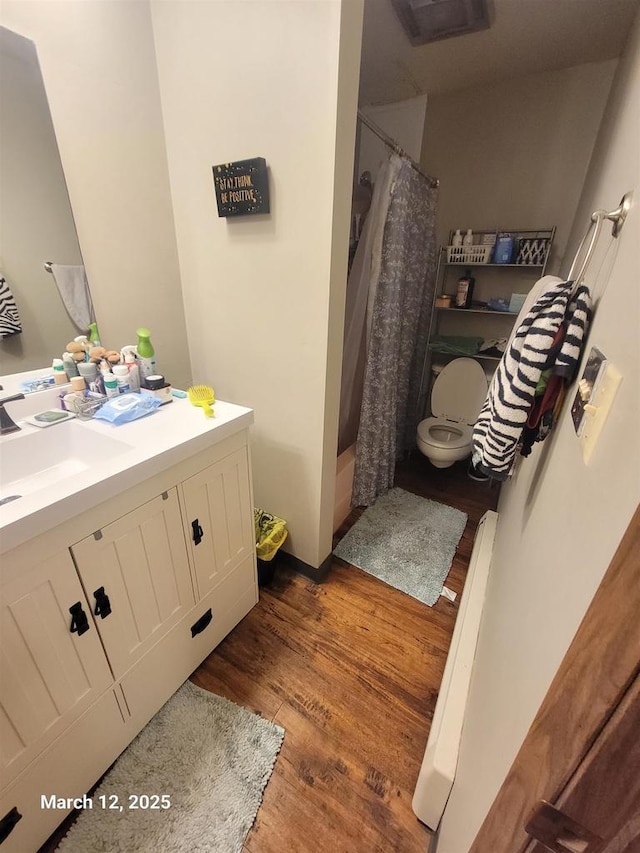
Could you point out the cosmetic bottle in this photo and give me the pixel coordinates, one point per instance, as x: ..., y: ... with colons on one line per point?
x: 59, y: 376
x: 121, y: 372
x: 146, y: 353
x: 464, y: 293
x: 456, y: 240
x: 467, y: 240
x: 128, y: 355
x: 110, y: 385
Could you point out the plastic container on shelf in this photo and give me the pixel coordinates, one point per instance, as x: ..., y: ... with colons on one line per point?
x: 467, y: 240
x: 468, y: 254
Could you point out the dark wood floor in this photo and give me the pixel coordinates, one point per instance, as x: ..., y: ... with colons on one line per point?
x: 351, y: 669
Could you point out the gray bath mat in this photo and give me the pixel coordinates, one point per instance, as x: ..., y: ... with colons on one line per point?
x: 211, y: 758
x: 407, y: 541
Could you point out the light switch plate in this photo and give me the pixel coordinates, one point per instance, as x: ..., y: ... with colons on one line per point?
x: 595, y: 394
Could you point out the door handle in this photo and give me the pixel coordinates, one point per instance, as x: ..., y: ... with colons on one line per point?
x: 199, y: 626
x: 79, y: 621
x: 8, y: 823
x: 198, y: 532
x: 559, y: 833
x: 103, y: 605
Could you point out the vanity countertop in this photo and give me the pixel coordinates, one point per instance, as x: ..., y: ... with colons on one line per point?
x: 81, y: 477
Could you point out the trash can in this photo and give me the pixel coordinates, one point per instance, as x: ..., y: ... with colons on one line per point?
x: 271, y: 532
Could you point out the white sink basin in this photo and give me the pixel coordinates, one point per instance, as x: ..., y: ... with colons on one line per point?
x: 32, y: 461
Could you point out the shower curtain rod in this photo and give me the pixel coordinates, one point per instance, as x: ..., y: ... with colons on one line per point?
x: 373, y: 127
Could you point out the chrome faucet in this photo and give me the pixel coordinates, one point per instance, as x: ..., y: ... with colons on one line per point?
x: 6, y: 422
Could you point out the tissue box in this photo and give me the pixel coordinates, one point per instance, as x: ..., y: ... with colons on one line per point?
x: 516, y: 302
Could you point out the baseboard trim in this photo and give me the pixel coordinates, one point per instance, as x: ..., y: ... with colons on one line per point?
x: 317, y: 575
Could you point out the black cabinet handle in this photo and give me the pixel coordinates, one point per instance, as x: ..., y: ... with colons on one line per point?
x: 8, y: 823
x: 198, y: 532
x: 202, y: 623
x: 79, y: 621
x: 103, y: 605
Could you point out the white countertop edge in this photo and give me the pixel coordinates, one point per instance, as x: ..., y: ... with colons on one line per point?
x: 167, y: 437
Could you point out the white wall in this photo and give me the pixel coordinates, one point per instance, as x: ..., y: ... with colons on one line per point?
x: 36, y: 223
x: 402, y: 121
x: 99, y: 70
x: 560, y: 521
x: 515, y: 154
x: 264, y: 295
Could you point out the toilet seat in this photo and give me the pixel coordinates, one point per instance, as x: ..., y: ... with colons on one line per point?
x: 457, y: 396
x: 428, y: 433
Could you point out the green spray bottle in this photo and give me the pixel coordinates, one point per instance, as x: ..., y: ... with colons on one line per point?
x: 94, y: 335
x: 146, y: 353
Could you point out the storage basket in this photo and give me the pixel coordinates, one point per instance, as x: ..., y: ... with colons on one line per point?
x: 468, y: 254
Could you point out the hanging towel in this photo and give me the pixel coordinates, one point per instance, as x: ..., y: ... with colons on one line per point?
x: 10, y: 323
x: 74, y: 290
x: 503, y: 417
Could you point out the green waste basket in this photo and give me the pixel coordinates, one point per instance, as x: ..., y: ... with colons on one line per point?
x: 270, y: 532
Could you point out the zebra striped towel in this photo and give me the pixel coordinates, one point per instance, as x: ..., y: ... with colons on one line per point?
x: 499, y: 426
x: 10, y: 323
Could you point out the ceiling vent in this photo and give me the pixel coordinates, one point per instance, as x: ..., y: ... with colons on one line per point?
x: 430, y: 20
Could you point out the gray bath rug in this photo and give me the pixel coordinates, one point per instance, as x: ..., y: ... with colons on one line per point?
x: 407, y: 541
x: 211, y: 758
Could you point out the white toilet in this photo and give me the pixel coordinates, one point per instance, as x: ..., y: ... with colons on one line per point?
x: 457, y: 396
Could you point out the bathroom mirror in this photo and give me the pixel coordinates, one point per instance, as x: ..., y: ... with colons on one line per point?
x: 36, y: 221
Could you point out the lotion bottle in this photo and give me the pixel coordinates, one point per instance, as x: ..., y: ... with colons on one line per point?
x: 146, y: 353
x: 128, y: 355
x: 468, y: 238
x: 456, y: 240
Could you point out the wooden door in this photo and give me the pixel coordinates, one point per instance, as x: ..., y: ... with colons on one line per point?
x: 588, y: 690
x: 139, y: 563
x: 48, y: 675
x: 219, y: 519
x: 603, y: 796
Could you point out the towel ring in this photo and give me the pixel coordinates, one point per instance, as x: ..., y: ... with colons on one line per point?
x: 596, y: 222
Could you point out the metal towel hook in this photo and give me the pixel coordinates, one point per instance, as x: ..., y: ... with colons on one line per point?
x: 596, y: 222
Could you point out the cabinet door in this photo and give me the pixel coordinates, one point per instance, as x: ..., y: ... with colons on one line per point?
x: 140, y: 564
x: 48, y: 675
x: 219, y: 519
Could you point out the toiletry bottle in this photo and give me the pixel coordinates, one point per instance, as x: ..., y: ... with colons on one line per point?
x: 121, y: 372
x: 464, y: 294
x: 70, y: 366
x: 94, y: 336
x: 59, y: 376
x: 110, y: 385
x: 146, y: 353
x: 128, y: 355
x: 468, y: 238
x: 89, y: 372
x: 457, y: 238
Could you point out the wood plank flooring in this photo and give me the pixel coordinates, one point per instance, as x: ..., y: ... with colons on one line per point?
x: 351, y: 669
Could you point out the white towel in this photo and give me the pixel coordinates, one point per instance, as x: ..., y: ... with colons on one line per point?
x: 10, y: 323
x: 74, y: 290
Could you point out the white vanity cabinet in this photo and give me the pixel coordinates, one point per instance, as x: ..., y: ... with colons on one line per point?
x: 150, y: 602
x: 219, y: 519
x: 136, y: 575
x: 49, y: 675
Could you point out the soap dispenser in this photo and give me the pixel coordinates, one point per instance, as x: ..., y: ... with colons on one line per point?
x: 146, y: 353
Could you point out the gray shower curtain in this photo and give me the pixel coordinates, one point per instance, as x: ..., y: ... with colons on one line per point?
x: 398, y: 336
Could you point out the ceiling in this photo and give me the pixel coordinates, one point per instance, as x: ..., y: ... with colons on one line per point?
x: 526, y: 37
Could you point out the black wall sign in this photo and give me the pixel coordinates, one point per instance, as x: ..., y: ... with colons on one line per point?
x: 242, y: 188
